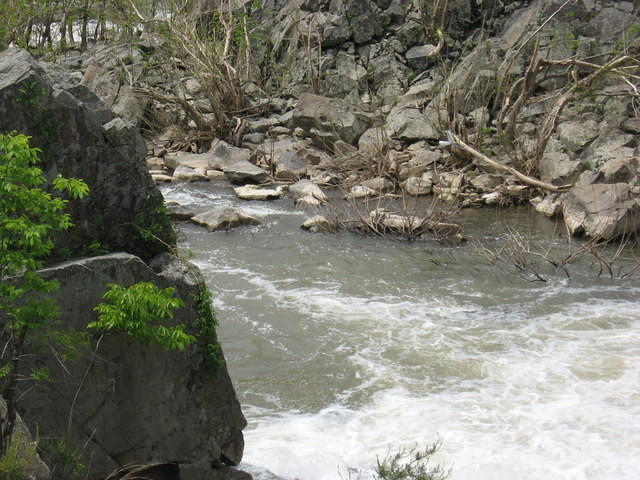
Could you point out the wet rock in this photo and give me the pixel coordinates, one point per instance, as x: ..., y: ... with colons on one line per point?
x: 550, y: 206
x: 380, y: 219
x: 316, y: 224
x: 235, y: 164
x: 224, y: 218
x: 493, y: 198
x: 188, y: 174
x: 306, y: 188
x: 161, y: 178
x: 253, y: 192
x: 601, y: 210
x: 178, y: 211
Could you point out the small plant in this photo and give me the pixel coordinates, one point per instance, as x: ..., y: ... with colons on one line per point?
x: 206, y: 324
x: 138, y: 311
x: 61, y: 459
x: 411, y: 464
x: 20, y: 455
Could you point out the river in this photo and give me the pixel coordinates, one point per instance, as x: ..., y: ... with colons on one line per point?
x: 343, y: 348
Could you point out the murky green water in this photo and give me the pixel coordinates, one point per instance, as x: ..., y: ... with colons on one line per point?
x: 342, y: 347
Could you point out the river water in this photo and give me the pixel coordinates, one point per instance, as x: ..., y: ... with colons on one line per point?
x: 343, y: 348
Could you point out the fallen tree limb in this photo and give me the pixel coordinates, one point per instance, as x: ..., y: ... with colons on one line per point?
x: 457, y: 143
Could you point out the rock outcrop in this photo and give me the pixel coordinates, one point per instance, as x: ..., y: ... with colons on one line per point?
x: 80, y: 138
x: 119, y: 401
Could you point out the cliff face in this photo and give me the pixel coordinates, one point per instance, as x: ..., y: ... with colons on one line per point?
x: 81, y: 138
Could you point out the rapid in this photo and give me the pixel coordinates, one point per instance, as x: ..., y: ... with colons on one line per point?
x: 344, y: 348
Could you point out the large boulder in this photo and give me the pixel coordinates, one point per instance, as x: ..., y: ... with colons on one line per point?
x: 329, y: 115
x: 601, y: 211
x: 235, y: 164
x: 79, y: 137
x: 119, y: 401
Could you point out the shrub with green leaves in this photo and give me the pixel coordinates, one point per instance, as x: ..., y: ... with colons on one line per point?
x: 138, y: 311
x: 30, y: 216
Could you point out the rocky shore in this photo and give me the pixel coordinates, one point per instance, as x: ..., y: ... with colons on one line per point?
x: 376, y: 124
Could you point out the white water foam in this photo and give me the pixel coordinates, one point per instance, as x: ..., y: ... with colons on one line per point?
x: 538, y: 398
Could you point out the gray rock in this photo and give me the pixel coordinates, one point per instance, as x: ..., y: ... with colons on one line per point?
x: 336, y: 31
x: 31, y: 465
x: 620, y: 170
x: 179, y: 212
x: 486, y: 182
x: 253, y: 192
x: 372, y: 141
x: 417, y: 186
x: 80, y: 138
x: 550, y: 206
x: 601, y: 211
x: 409, y: 124
x: 191, y: 160
x: 329, y: 115
x: 576, y: 135
x: 316, y: 224
x: 360, y: 191
x: 235, y: 164
x: 379, y: 185
x: 557, y: 168
x: 289, y: 166
x: 418, y: 56
x: 188, y: 174
x: 418, y: 95
x: 224, y: 218
x: 631, y: 125
x: 131, y: 402
x: 306, y: 188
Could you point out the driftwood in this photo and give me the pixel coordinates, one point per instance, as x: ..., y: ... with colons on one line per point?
x: 457, y: 143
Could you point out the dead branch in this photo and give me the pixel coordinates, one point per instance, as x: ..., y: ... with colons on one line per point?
x: 201, y: 123
x: 549, y: 125
x: 457, y: 143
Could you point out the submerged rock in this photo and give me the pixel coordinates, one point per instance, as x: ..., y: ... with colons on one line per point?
x: 316, y: 224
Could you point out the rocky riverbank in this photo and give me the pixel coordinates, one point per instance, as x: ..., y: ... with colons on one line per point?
x: 375, y: 122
